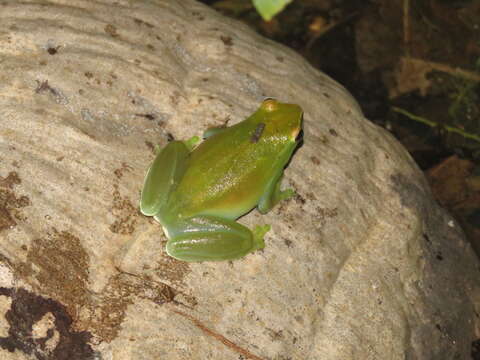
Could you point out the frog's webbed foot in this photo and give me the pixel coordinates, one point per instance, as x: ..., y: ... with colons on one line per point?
x: 258, y: 233
x: 209, y: 238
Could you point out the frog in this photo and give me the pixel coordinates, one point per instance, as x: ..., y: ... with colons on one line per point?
x: 197, y: 191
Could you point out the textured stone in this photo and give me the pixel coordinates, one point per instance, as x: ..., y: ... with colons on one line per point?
x: 362, y: 264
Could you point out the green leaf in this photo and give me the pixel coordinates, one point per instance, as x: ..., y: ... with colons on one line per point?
x: 269, y: 8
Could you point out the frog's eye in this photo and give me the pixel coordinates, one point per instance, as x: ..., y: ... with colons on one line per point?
x: 270, y: 104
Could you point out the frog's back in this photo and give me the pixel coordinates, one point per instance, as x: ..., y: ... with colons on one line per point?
x: 225, y: 176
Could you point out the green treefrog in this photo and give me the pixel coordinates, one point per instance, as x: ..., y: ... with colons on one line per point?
x: 197, y: 193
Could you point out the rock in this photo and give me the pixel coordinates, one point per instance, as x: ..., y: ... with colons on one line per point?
x: 362, y: 264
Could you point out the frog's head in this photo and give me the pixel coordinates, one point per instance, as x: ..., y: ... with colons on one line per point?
x: 282, y: 120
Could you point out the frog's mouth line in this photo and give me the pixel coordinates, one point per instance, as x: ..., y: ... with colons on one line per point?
x: 299, y: 136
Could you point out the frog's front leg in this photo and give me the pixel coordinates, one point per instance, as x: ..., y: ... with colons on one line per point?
x: 209, y: 238
x: 272, y: 194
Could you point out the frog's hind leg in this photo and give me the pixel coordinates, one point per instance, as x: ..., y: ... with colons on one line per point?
x: 164, y: 173
x: 209, y: 238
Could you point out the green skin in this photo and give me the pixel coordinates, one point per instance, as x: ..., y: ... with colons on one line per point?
x: 196, y: 194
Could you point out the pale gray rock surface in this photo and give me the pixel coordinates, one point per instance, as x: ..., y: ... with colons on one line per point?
x: 362, y: 264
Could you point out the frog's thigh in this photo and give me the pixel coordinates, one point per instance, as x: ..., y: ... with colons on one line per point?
x: 162, y: 177
x: 208, y: 238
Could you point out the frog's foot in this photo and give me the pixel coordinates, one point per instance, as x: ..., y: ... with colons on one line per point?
x: 192, y: 142
x: 258, y: 235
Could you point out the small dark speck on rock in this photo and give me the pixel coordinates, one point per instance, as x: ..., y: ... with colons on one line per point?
x: 227, y: 40
x: 150, y: 145
x: 53, y: 50
x: 111, y: 30
x: 147, y: 116
x: 300, y: 199
x: 333, y: 132
x: 315, y: 160
x: 427, y: 239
